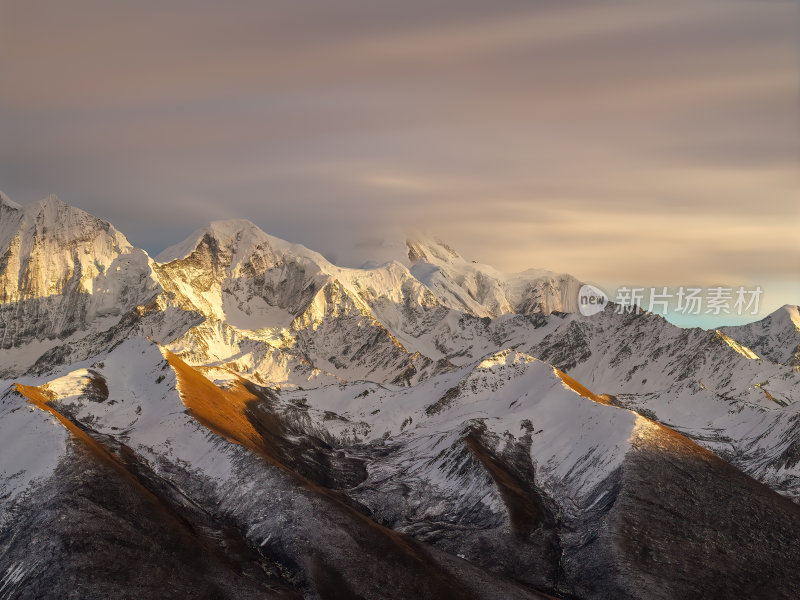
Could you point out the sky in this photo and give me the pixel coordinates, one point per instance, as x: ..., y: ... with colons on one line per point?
x: 627, y: 143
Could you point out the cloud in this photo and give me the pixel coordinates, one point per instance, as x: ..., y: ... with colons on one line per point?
x: 639, y: 142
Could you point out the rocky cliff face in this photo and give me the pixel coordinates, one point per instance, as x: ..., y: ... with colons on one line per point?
x: 63, y: 275
x: 242, y: 418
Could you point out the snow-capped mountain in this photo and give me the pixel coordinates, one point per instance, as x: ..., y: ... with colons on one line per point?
x: 484, y: 291
x: 64, y: 275
x: 776, y: 337
x: 239, y: 417
x: 260, y: 294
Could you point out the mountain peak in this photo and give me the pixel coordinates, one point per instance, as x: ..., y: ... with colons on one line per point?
x: 239, y: 236
x: 6, y: 201
x: 775, y: 337
x: 233, y: 232
x: 223, y: 231
x: 785, y: 317
x: 231, y: 226
x: 431, y: 249
x: 52, y: 201
x: 66, y: 222
x: 395, y: 245
x: 789, y: 313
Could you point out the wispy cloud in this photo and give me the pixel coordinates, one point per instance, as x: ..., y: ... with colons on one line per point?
x: 642, y: 142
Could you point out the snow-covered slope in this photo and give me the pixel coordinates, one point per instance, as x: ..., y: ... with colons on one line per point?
x: 275, y: 296
x: 699, y: 382
x: 32, y: 445
x: 578, y: 441
x: 484, y: 291
x: 234, y: 272
x: 63, y: 275
x: 457, y: 429
x: 776, y: 337
x: 243, y: 481
x: 509, y: 480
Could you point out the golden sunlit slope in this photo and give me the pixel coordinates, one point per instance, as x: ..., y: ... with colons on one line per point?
x: 220, y: 410
x: 41, y: 397
x: 578, y: 387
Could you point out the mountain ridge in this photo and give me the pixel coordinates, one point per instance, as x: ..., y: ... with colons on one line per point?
x: 305, y: 421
